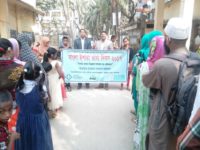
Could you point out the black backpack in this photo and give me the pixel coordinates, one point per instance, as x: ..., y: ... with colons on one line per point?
x: 183, y: 93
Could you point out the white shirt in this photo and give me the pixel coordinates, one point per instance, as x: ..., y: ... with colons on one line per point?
x: 29, y: 85
x: 82, y: 43
x: 104, y: 45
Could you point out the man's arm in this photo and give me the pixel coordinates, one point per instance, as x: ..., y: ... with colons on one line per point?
x: 153, y: 78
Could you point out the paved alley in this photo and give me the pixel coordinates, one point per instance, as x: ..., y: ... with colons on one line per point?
x: 95, y: 119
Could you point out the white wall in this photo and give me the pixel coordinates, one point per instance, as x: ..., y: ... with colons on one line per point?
x: 30, y: 2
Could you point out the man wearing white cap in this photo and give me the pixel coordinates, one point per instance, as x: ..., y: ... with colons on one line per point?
x: 160, y: 80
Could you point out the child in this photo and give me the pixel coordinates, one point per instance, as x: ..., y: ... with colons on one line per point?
x: 5, y: 113
x: 54, y: 76
x: 33, y: 122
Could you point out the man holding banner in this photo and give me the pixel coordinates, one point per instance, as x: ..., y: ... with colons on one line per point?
x: 82, y: 43
x: 103, y: 65
x: 95, y: 66
x: 104, y: 44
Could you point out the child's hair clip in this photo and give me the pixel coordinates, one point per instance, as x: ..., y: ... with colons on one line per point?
x: 25, y: 70
x: 9, y: 48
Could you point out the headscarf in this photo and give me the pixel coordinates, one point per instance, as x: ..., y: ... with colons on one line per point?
x: 16, y: 51
x: 141, y: 56
x: 43, y: 45
x: 26, y: 54
x: 157, y: 50
x: 15, y: 47
x: 145, y: 44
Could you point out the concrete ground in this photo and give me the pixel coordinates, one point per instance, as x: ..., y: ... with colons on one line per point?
x: 95, y: 119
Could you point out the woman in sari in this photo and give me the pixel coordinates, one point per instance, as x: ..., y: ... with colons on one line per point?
x: 140, y: 57
x: 157, y: 51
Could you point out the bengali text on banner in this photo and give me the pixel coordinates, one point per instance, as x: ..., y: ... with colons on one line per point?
x: 95, y: 65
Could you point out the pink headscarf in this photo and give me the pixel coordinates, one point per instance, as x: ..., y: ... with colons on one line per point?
x: 157, y: 50
x: 16, y: 51
x: 15, y: 47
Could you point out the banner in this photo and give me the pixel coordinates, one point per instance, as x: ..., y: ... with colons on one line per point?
x: 87, y: 66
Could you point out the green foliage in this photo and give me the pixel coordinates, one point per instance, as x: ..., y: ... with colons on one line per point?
x: 94, y: 15
x: 98, y: 15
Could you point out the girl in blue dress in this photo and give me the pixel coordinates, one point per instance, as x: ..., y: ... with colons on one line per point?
x: 33, y: 122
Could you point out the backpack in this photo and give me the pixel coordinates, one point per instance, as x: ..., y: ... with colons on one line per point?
x: 183, y: 92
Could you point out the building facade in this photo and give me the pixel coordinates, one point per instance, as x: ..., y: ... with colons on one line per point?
x: 17, y: 16
x: 158, y: 12
x: 188, y: 9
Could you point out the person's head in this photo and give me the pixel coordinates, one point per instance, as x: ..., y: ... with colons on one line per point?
x: 37, y: 44
x: 5, y: 106
x: 157, y: 50
x: 6, y: 49
x: 82, y: 33
x: 50, y: 54
x: 31, y: 72
x: 145, y: 43
x: 113, y: 38
x: 65, y: 41
x: 15, y: 46
x: 103, y: 35
x: 176, y: 34
x: 45, y: 41
x: 125, y: 42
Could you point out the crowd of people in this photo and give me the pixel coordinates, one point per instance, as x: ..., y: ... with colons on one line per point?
x: 165, y: 92
x: 29, y: 76
x: 26, y: 87
x: 164, y: 88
